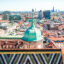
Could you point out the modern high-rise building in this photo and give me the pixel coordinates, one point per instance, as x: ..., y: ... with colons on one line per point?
x: 53, y: 9
x: 40, y: 15
x: 46, y: 14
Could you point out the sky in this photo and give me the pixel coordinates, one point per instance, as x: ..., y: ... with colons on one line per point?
x: 28, y: 5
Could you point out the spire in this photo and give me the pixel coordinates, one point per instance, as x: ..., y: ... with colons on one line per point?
x: 32, y: 25
x: 32, y: 15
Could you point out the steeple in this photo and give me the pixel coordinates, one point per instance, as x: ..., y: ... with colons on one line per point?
x: 32, y: 24
x: 32, y: 15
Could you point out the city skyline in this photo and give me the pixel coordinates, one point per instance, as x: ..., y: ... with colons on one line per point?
x: 27, y: 5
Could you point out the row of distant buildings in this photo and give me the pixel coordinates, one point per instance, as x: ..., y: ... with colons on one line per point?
x: 5, y: 15
x: 39, y: 15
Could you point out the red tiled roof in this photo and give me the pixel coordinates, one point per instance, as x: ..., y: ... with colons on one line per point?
x: 20, y: 22
x: 51, y: 45
x: 56, y: 38
x: 4, y: 20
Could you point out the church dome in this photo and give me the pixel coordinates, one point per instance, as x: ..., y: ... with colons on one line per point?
x: 32, y: 34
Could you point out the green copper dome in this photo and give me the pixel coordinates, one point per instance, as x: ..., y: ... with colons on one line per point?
x: 32, y: 33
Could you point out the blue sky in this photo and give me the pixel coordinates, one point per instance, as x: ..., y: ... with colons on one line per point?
x: 27, y: 5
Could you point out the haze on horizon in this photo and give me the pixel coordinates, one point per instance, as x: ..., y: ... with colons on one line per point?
x: 28, y: 5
